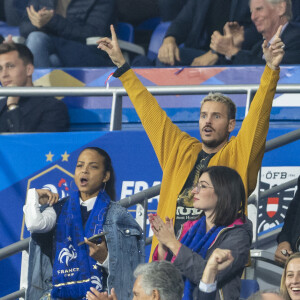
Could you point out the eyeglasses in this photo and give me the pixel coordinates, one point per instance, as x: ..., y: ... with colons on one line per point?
x: 200, y: 185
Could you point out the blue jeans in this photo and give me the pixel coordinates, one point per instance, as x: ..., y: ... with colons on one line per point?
x: 53, y: 51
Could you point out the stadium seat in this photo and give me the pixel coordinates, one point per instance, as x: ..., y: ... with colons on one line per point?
x: 248, y: 287
x: 156, y: 39
x: 6, y: 30
x: 125, y: 32
x: 149, y: 24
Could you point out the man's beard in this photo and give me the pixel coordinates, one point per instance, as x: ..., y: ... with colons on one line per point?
x: 212, y: 143
x: 215, y: 143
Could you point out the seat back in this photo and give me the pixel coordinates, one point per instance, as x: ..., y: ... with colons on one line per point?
x: 125, y: 32
x: 157, y: 39
x: 149, y: 24
x: 6, y: 29
x: 248, y: 287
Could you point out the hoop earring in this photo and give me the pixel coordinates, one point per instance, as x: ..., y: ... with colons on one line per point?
x: 103, y: 189
x: 72, y: 188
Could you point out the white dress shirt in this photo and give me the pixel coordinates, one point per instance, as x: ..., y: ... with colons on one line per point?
x: 41, y: 222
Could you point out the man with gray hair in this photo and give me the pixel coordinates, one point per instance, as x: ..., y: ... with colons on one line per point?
x: 267, y: 16
x: 159, y: 280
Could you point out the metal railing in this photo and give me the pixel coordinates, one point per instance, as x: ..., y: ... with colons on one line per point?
x: 117, y: 94
x: 272, y: 145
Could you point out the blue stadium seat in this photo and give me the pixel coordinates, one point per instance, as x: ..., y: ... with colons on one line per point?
x: 156, y: 39
x: 248, y: 287
x: 149, y: 24
x: 125, y: 32
x: 5, y: 30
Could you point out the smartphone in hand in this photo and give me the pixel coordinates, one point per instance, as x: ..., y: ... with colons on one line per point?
x: 96, y: 239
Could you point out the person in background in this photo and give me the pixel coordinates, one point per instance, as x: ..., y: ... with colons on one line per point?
x: 158, y: 280
x: 53, y: 29
x: 290, y: 280
x: 194, y: 26
x: 220, y: 196
x: 136, y: 11
x: 73, y: 266
x: 14, y: 10
x: 32, y: 113
x: 2, y: 14
x: 296, y: 11
x: 289, y: 238
x: 169, y: 9
x: 218, y: 261
x: 267, y: 16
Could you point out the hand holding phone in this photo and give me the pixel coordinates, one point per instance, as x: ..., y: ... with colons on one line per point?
x: 96, y: 239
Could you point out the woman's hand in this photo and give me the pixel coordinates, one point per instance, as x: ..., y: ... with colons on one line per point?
x: 161, y: 248
x: 164, y: 232
x: 47, y: 197
x: 98, y: 251
x: 111, y: 47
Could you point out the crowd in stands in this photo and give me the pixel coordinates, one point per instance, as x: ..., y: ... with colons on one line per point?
x: 195, y: 255
x: 208, y: 33
x: 201, y: 33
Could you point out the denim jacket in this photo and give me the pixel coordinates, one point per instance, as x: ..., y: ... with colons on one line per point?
x: 125, y: 244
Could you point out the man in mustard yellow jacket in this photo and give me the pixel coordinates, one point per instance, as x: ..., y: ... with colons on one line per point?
x: 181, y: 156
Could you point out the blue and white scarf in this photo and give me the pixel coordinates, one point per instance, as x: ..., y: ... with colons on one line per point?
x: 74, y: 271
x: 199, y: 241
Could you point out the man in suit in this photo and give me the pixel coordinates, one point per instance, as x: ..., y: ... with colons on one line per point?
x: 54, y: 28
x: 194, y: 26
x: 26, y: 114
x: 267, y: 15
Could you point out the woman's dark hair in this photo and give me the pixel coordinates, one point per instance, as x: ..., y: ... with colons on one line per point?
x: 230, y: 191
x: 110, y: 184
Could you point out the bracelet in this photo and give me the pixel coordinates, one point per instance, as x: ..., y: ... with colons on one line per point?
x: 120, y: 71
x: 12, y: 106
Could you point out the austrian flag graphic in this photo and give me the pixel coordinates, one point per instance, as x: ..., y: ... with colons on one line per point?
x: 272, y: 206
